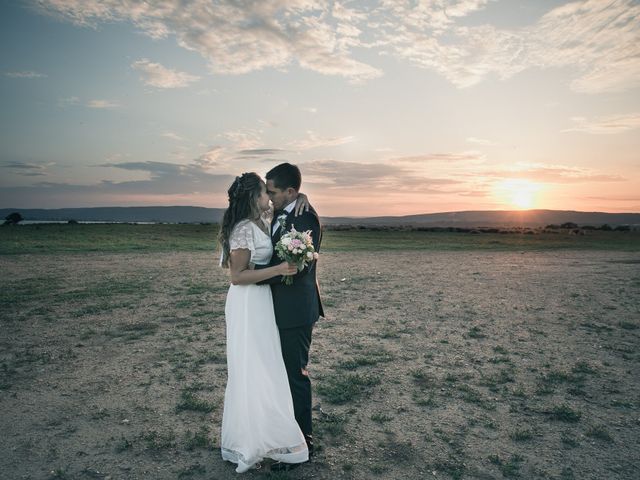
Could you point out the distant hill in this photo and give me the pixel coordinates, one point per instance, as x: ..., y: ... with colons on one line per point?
x: 479, y: 218
x: 496, y: 218
x: 121, y: 214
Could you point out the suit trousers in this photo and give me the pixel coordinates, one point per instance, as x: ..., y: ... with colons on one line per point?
x: 295, y: 344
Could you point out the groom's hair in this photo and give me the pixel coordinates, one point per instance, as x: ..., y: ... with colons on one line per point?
x: 284, y: 176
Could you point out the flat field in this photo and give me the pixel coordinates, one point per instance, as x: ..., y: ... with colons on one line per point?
x: 443, y: 355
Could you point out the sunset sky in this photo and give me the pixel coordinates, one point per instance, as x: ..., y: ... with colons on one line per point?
x: 388, y: 107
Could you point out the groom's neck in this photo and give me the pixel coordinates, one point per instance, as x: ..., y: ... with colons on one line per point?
x: 292, y: 198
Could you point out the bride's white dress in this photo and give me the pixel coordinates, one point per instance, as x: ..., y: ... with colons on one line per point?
x: 258, y: 420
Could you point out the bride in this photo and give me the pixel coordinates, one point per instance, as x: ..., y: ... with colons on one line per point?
x: 258, y: 420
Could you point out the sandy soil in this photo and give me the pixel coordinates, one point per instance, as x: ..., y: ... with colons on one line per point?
x: 477, y: 365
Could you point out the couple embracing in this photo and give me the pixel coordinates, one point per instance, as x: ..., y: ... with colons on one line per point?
x: 267, y: 404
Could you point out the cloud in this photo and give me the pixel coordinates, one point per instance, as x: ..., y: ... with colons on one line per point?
x: 231, y: 156
x: 180, y: 152
x: 212, y: 158
x: 165, y: 178
x: 318, y: 47
x: 244, y: 139
x: 598, y: 40
x: 440, y: 157
x: 26, y: 169
x: 426, y: 34
x: 616, y: 198
x: 165, y: 185
x: 265, y: 153
x: 173, y: 136
x: 554, y: 174
x: 76, y: 101
x: 268, y: 123
x: 345, y: 14
x: 116, y: 156
x: 475, y: 193
x: 606, y: 125
x: 432, y: 16
x: 237, y: 37
x: 25, y: 74
x: 68, y: 102
x: 333, y: 174
x: 155, y: 168
x: 261, y: 151
x: 155, y: 75
x: 482, y: 141
x: 21, y: 165
x: 313, y: 140
x: 102, y: 104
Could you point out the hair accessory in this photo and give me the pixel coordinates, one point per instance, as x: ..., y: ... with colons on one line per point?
x: 238, y: 186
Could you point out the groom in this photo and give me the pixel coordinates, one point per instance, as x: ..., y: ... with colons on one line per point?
x: 297, y: 306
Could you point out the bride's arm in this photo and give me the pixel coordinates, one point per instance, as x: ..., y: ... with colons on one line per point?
x: 302, y: 204
x: 242, y: 274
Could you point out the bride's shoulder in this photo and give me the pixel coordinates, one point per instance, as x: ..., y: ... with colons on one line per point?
x: 242, y: 225
x: 246, y: 227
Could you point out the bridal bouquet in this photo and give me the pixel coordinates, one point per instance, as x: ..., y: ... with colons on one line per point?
x: 297, y: 248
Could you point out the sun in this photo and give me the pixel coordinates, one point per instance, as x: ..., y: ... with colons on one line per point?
x: 517, y: 192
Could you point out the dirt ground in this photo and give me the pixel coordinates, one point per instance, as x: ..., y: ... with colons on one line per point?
x: 478, y: 365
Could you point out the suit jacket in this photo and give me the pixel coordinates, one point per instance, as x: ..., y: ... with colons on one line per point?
x: 299, y: 304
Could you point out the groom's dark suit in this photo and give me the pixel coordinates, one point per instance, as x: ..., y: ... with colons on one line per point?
x: 297, y: 308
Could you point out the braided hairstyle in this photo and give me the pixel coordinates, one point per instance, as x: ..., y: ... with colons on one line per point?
x: 243, y: 203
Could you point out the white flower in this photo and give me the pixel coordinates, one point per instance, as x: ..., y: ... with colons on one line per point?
x: 309, y: 255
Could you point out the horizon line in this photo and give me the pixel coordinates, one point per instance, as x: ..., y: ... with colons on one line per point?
x: 340, y: 216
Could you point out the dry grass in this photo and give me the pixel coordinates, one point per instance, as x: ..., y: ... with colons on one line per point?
x: 480, y: 365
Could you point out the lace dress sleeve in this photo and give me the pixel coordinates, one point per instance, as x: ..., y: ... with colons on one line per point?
x: 242, y: 237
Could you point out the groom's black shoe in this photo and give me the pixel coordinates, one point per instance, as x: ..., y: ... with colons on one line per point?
x: 309, y: 440
x: 285, y: 467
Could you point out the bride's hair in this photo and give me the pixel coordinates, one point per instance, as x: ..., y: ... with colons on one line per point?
x: 243, y: 203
